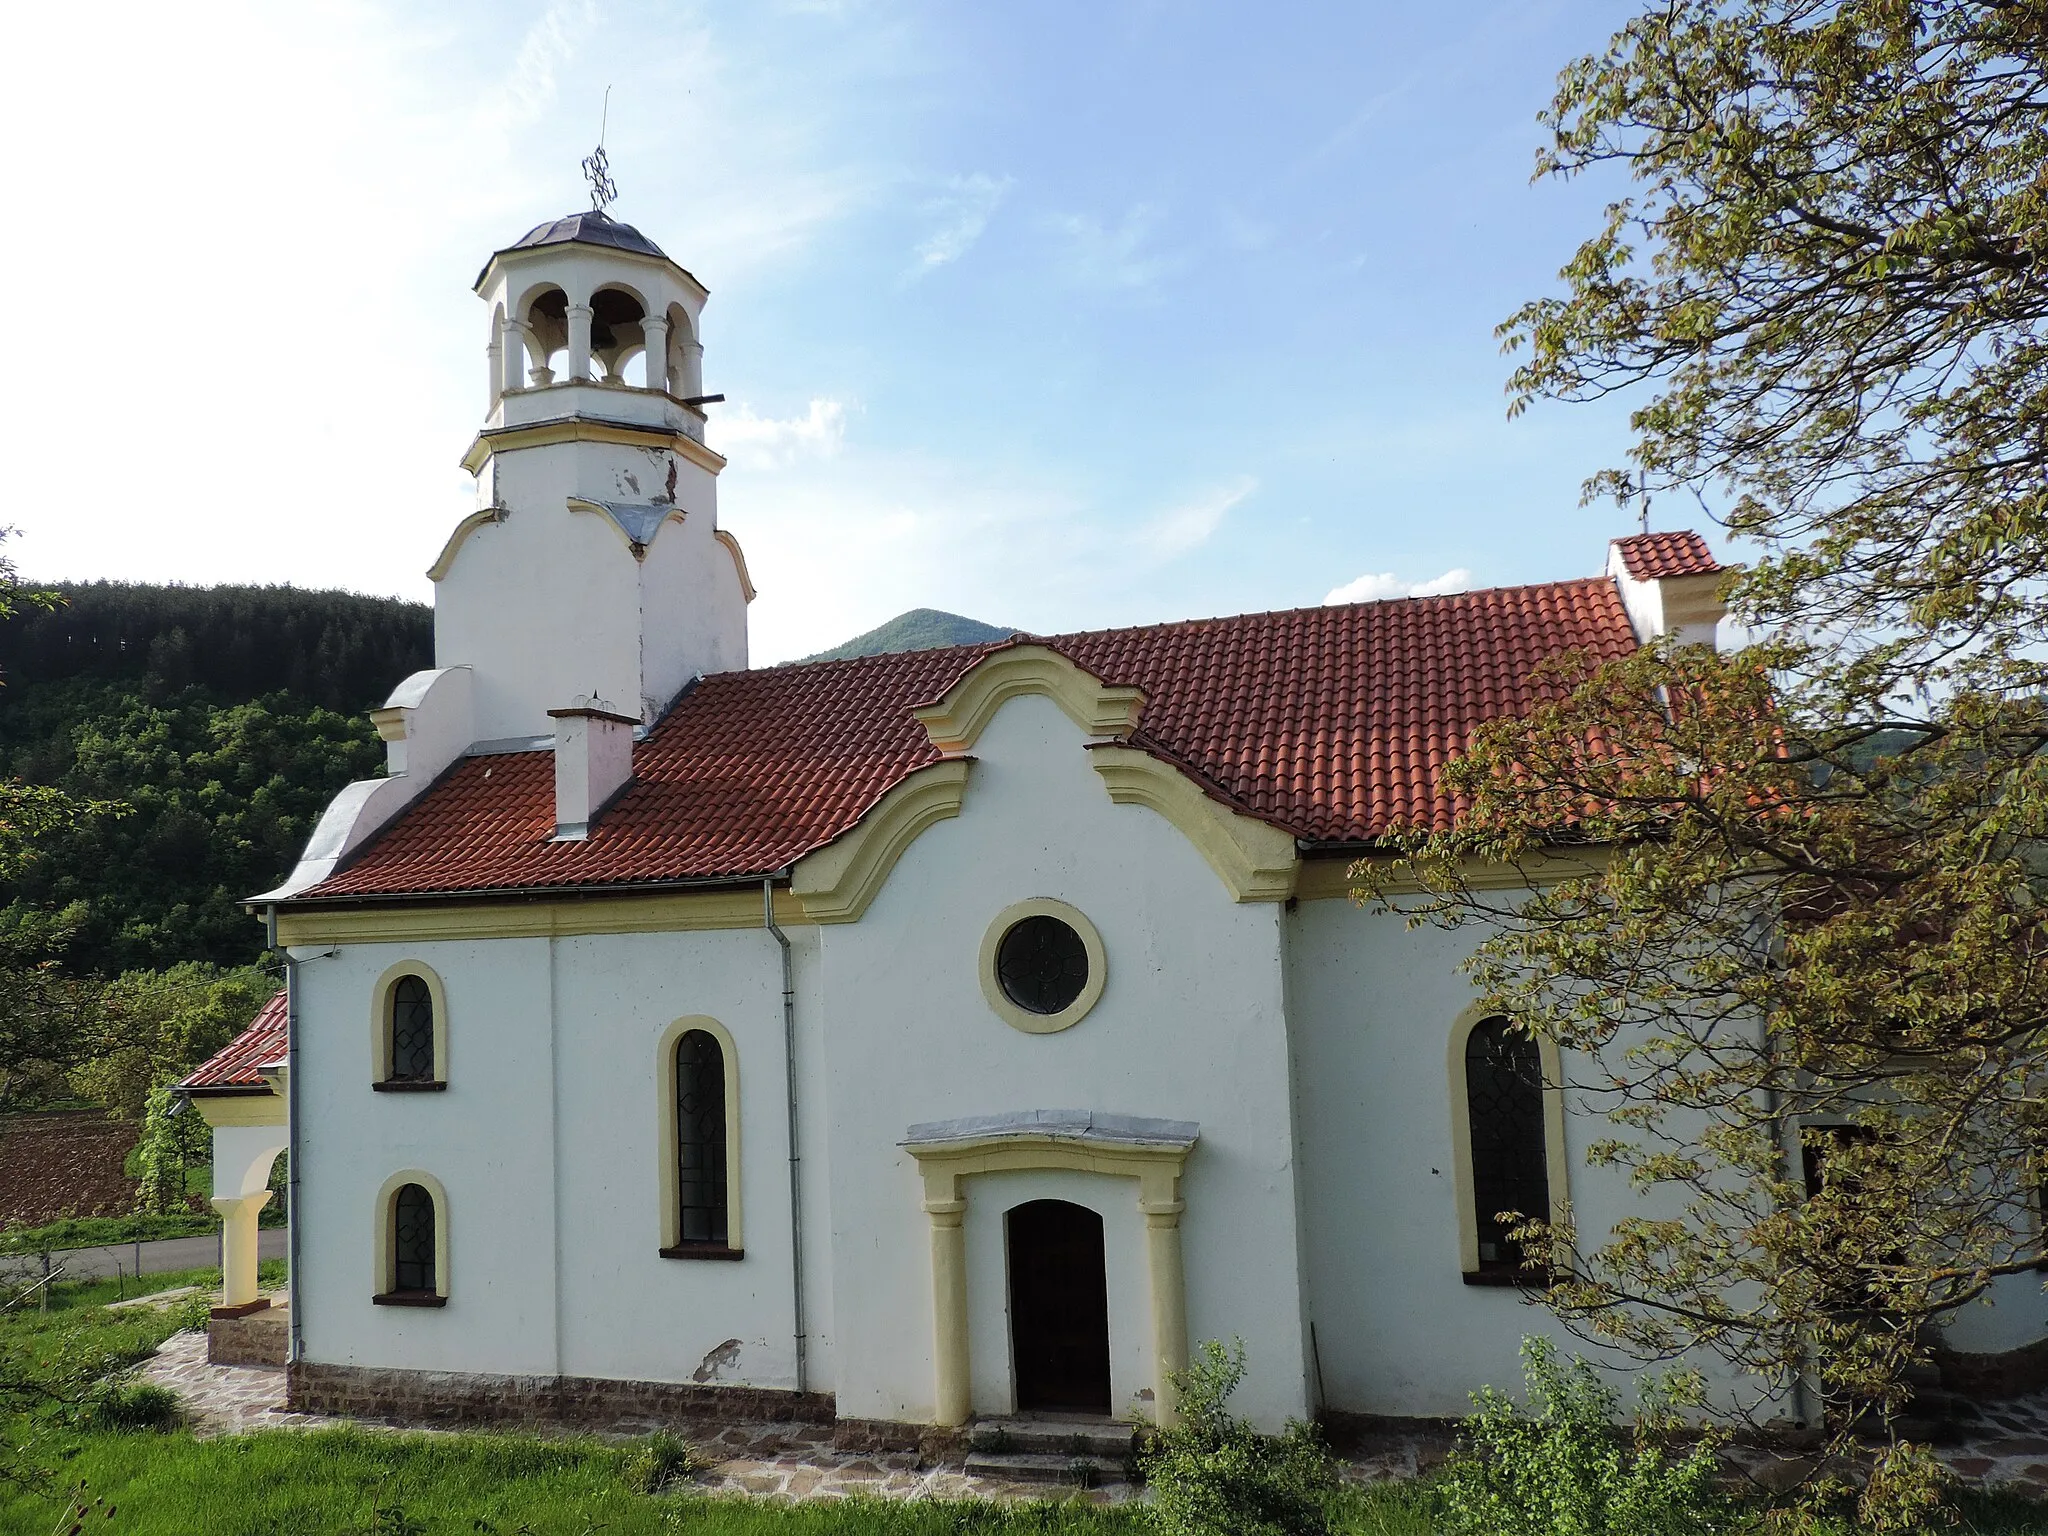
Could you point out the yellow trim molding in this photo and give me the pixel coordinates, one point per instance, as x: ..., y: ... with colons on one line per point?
x: 739, y: 561
x: 1555, y: 1171
x: 582, y: 429
x: 671, y: 1226
x: 1255, y: 860
x: 386, y: 1239
x: 445, y: 561
x: 240, y: 1109
x: 669, y: 912
x: 380, y: 1018
x: 992, y: 986
x: 945, y: 1166
x: 956, y: 722
x: 835, y: 884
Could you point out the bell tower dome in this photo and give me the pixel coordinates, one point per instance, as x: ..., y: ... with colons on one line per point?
x: 594, y: 566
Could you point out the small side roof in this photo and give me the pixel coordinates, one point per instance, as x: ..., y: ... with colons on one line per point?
x: 238, y: 1066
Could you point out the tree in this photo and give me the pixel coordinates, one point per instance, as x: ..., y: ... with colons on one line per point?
x: 156, y: 1026
x: 1788, y: 901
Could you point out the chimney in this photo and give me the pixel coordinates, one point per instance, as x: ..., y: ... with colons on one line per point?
x: 593, y: 763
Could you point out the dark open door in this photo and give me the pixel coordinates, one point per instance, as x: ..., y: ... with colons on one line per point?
x: 1059, y: 1308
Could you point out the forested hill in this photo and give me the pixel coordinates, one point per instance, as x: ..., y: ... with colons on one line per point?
x: 222, y: 718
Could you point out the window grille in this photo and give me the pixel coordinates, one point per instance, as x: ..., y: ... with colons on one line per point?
x: 412, y: 1031
x: 412, y: 1240
x: 700, y: 1140
x: 1504, y: 1100
x: 1042, y: 965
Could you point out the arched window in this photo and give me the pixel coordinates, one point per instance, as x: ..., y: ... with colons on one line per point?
x: 412, y: 1031
x: 412, y: 1241
x: 409, y: 1020
x: 700, y: 1141
x: 1511, y: 1126
x: 412, y: 1246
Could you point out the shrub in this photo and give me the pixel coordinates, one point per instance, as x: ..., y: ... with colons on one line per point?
x: 1566, y: 1467
x: 119, y: 1405
x: 660, y: 1462
x: 1214, y: 1475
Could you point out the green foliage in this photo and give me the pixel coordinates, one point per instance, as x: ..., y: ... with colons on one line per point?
x: 660, y: 1462
x: 1212, y: 1474
x: 221, y: 795
x: 171, y: 1143
x: 335, y: 650
x: 1822, y: 862
x: 1564, y: 1468
x: 217, y: 721
x: 921, y: 629
x: 158, y: 1025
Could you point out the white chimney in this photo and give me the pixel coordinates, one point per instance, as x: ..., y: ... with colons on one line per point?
x: 1670, y: 584
x: 593, y: 763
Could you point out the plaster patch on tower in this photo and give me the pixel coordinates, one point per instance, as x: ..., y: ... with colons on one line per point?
x: 671, y: 477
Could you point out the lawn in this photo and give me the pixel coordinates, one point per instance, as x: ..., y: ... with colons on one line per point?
x: 350, y: 1482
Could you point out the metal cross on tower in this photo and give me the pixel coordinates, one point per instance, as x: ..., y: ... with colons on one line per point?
x: 596, y: 169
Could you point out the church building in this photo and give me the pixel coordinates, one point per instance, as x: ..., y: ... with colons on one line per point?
x: 898, y: 1040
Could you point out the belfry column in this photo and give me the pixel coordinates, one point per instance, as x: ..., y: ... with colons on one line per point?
x: 655, y: 329
x: 511, y: 356
x: 579, y: 343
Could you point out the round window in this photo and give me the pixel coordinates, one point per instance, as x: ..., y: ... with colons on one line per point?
x: 1042, y: 965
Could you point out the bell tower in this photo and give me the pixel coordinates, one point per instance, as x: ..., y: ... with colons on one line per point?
x: 594, y: 567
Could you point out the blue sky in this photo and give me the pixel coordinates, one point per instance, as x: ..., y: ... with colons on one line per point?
x: 1060, y: 315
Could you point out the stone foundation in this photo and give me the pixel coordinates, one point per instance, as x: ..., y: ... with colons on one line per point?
x: 933, y: 1442
x: 474, y: 1399
x: 2015, y: 1373
x: 257, y: 1338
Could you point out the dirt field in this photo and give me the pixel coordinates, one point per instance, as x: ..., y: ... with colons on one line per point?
x: 64, y: 1164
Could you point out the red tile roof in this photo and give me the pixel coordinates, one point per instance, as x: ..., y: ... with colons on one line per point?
x: 1332, y: 723
x: 236, y: 1064
x: 1652, y: 556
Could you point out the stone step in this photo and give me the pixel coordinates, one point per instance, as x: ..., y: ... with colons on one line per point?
x: 1053, y: 1437
x: 1033, y: 1467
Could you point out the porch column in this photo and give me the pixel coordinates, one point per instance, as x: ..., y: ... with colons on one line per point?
x: 1159, y: 1198
x: 953, y: 1394
x: 238, y: 1246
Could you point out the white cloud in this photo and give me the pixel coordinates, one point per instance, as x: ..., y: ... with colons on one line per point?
x: 1190, y: 525
x: 770, y: 442
x: 970, y: 202
x: 1105, y: 256
x: 549, y: 43
x: 1371, y: 588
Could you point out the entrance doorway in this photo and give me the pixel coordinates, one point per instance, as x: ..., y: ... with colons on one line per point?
x: 1059, y: 1308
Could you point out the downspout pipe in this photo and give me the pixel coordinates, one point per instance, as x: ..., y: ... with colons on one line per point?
x: 796, y: 1193
x: 293, y: 1348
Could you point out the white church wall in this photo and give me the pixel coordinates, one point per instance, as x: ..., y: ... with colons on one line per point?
x: 487, y: 1139
x: 1190, y: 1026
x: 627, y: 1312
x: 689, y: 579
x: 1398, y: 1331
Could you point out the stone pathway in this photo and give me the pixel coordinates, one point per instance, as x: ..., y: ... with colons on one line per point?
x: 1998, y: 1443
